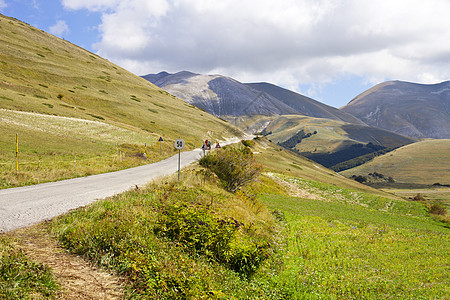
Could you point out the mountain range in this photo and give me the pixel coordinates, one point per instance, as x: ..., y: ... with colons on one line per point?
x: 411, y: 109
x: 323, y: 133
x: 226, y: 97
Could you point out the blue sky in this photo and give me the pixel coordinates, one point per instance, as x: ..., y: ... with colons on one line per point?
x: 330, y: 50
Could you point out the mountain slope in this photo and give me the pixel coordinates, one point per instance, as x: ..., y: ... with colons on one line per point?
x: 425, y: 162
x: 411, y: 109
x: 304, y: 105
x: 219, y: 95
x: 224, y: 96
x: 77, y: 114
x: 45, y: 74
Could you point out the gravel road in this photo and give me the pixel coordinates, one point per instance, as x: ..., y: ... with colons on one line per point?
x: 24, y: 206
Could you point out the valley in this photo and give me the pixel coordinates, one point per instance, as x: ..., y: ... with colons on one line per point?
x: 292, y: 226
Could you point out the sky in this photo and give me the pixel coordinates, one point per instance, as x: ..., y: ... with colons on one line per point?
x: 329, y: 50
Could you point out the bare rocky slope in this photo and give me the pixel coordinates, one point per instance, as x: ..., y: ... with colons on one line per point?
x: 224, y: 96
x: 411, y: 109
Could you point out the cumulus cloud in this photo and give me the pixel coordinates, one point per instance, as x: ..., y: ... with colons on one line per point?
x: 59, y: 29
x: 3, y: 4
x: 289, y: 41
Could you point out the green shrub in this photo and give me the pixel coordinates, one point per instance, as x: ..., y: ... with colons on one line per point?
x: 437, y: 209
x: 235, y: 167
x: 225, y: 240
x: 248, y: 143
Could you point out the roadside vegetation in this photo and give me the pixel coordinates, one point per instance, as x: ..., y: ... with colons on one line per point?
x: 181, y: 240
x: 21, y: 278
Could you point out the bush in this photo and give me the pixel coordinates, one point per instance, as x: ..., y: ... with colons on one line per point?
x: 248, y: 143
x: 235, y: 167
x: 199, y: 231
x: 437, y: 209
x: 418, y: 197
x: 359, y: 178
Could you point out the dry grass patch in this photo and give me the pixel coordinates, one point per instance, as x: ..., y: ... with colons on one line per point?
x: 79, y: 279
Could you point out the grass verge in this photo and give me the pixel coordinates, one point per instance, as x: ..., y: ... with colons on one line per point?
x: 22, y: 278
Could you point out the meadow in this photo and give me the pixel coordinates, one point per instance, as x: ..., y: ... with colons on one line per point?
x: 54, y: 148
x: 352, y: 245
x: 424, y: 162
x: 281, y: 237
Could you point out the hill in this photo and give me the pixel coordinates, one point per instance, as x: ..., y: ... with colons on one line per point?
x: 411, y: 109
x: 227, y: 97
x: 330, y: 142
x: 425, y: 162
x: 44, y: 76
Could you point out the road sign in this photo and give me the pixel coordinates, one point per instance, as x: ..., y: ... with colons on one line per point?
x: 160, y: 149
x: 179, y: 144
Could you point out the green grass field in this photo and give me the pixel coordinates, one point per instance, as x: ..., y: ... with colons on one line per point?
x: 352, y: 245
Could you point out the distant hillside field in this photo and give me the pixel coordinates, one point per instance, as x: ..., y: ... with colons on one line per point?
x: 425, y: 162
x: 326, y: 141
x: 124, y: 114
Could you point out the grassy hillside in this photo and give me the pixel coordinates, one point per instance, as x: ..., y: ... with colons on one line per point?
x: 284, y: 237
x: 331, y: 135
x: 48, y: 76
x: 328, y: 142
x: 425, y: 162
x: 279, y: 160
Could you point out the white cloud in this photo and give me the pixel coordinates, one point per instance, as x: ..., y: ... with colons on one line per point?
x: 287, y: 42
x: 3, y: 4
x: 59, y: 29
x: 97, y: 5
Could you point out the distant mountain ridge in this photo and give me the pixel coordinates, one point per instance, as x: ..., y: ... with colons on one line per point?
x: 411, y: 109
x: 224, y: 96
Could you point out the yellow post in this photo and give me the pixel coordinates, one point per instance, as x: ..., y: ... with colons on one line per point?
x: 17, y: 153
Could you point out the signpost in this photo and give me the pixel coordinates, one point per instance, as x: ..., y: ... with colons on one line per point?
x: 179, y: 144
x: 160, y: 140
x: 17, y: 153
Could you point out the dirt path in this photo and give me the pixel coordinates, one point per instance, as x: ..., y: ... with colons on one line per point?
x: 79, y: 278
